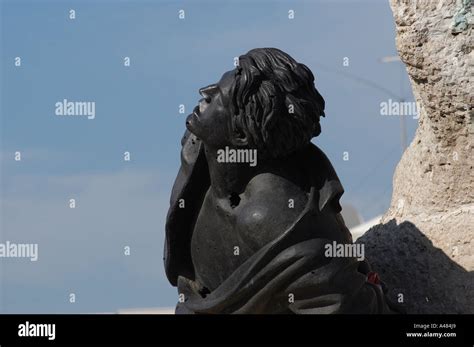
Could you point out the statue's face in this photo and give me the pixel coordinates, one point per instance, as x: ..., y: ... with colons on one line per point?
x: 211, y: 119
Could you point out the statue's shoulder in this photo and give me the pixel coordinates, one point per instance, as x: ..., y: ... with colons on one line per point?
x: 310, y: 169
x: 272, y: 184
x: 270, y: 204
x: 273, y: 201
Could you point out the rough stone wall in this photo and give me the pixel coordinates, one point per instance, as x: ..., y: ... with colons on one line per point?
x: 424, y: 247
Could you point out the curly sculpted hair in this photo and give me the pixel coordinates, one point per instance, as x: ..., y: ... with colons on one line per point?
x: 274, y: 102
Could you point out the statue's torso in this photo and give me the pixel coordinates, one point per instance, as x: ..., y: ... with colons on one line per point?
x: 225, y: 236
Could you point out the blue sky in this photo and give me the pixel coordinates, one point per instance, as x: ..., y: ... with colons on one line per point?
x: 124, y: 203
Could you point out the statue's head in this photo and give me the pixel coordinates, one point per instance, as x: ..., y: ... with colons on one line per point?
x: 268, y: 102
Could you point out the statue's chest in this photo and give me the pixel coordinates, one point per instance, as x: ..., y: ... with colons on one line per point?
x: 216, y: 245
x: 224, y: 237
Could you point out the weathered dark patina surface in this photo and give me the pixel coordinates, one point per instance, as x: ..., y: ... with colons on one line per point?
x: 250, y: 237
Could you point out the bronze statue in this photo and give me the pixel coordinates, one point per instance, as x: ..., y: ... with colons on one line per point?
x: 255, y: 203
